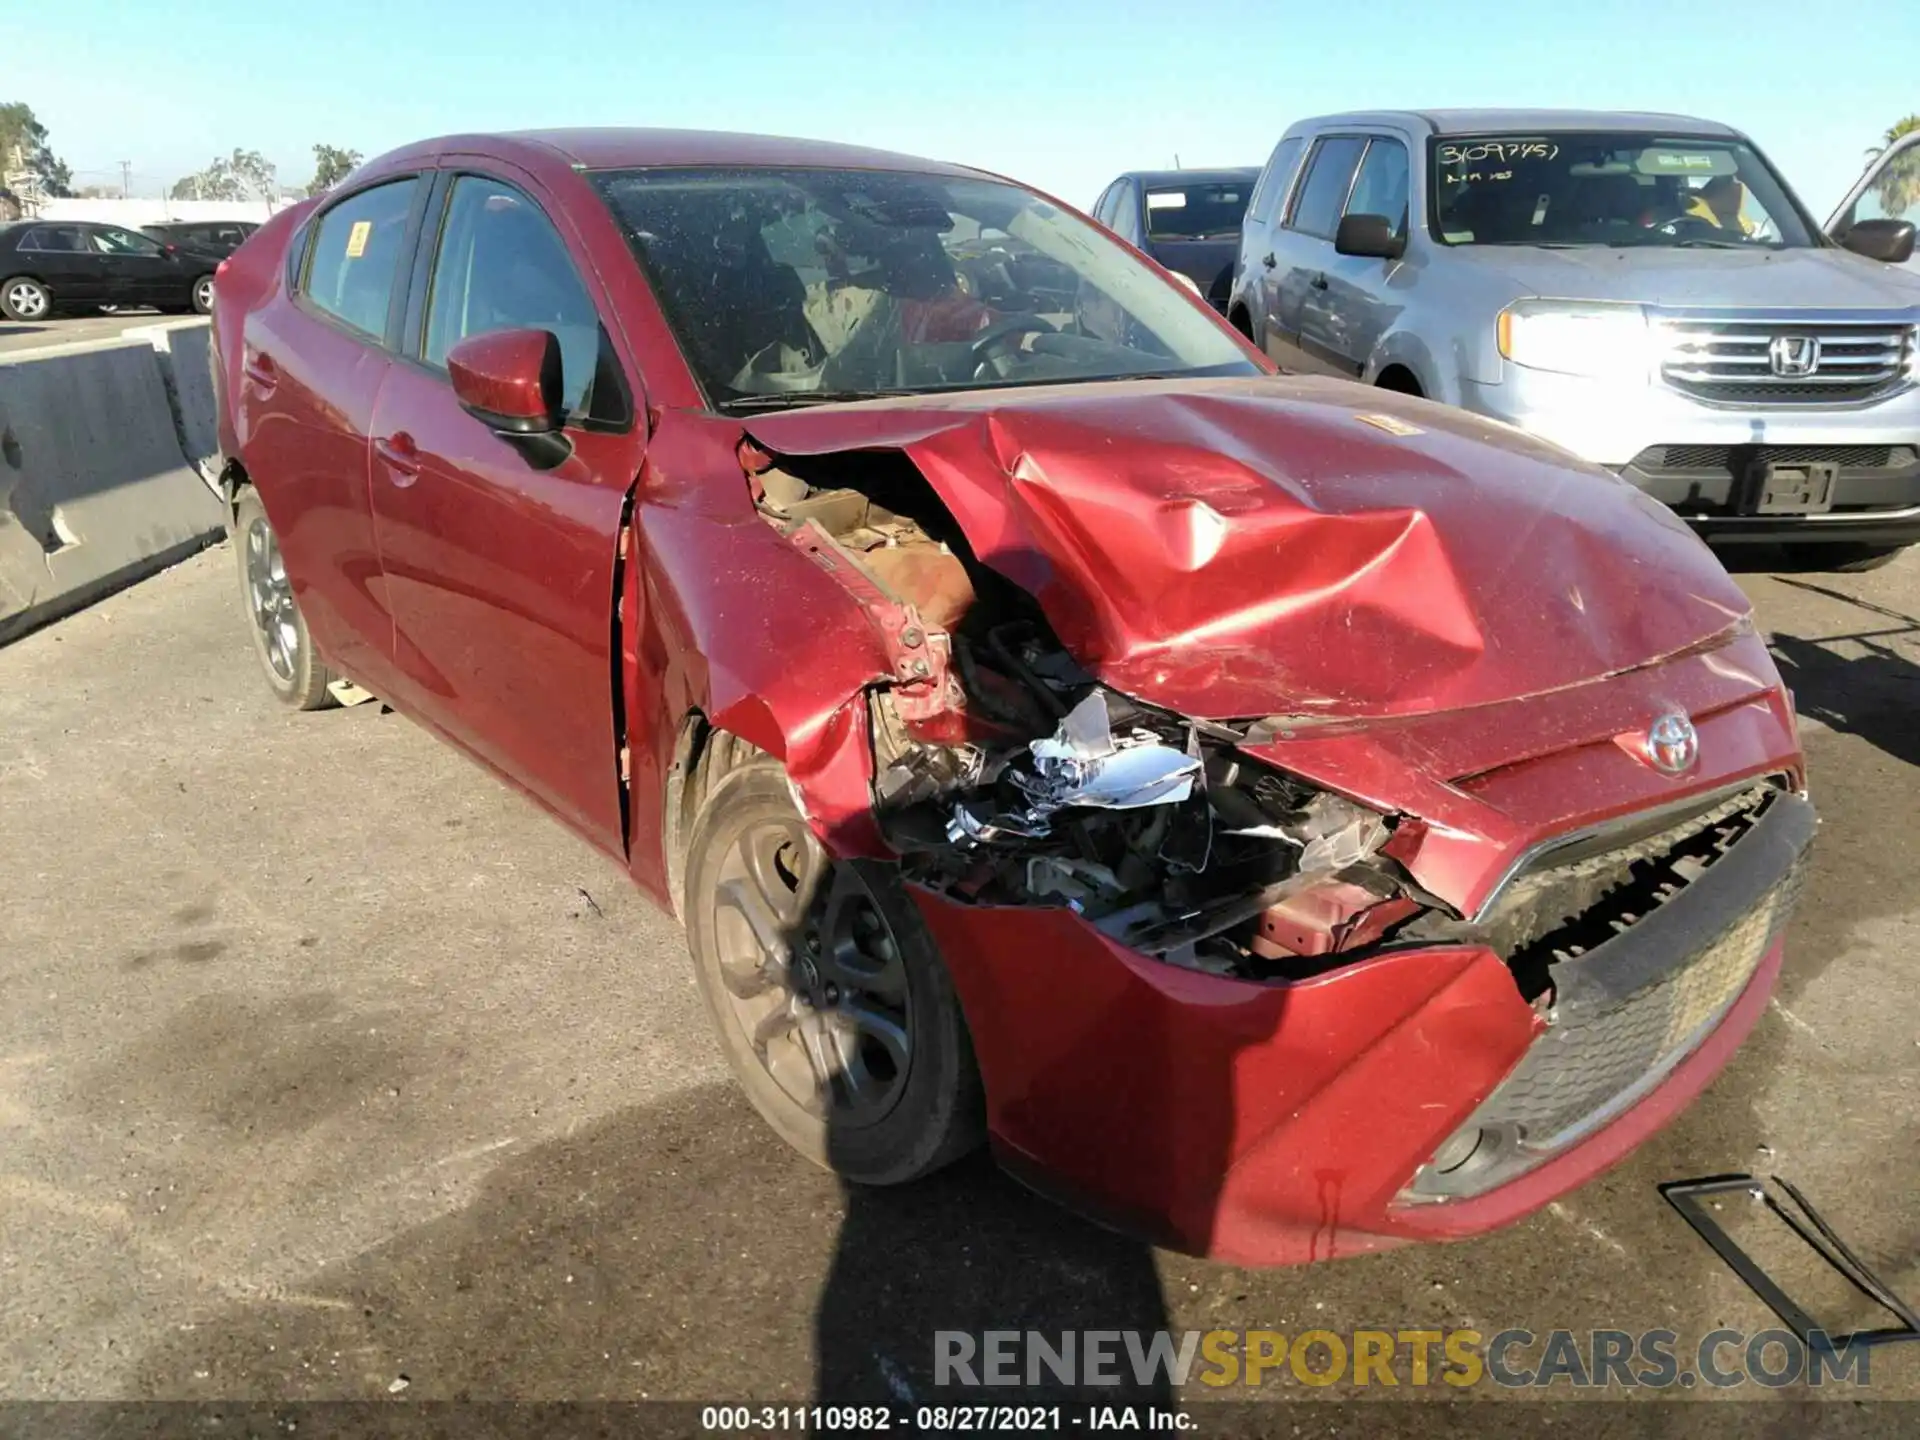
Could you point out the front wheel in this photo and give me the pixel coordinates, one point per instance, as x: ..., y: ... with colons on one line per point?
x: 1844, y: 559
x: 834, y: 1010
x: 295, y: 673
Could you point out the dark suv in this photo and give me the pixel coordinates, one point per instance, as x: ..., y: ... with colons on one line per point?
x: 1188, y: 220
x: 217, y: 237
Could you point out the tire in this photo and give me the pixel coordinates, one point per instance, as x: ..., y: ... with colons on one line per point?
x: 203, y: 295
x: 1844, y: 559
x: 295, y: 672
x: 864, y: 981
x: 25, y: 299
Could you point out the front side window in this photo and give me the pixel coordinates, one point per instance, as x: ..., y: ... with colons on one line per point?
x: 502, y: 266
x: 786, y: 286
x: 53, y: 239
x: 1894, y: 192
x: 1323, y: 194
x: 1209, y: 210
x: 356, y: 255
x: 1381, y: 186
x: 1608, y: 188
x: 122, y: 242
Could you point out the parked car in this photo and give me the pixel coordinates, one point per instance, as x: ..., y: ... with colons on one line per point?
x: 1188, y: 220
x: 217, y: 237
x: 1049, y: 725
x: 1888, y: 190
x: 1643, y: 290
x: 51, y: 265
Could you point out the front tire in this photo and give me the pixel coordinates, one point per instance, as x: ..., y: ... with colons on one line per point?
x: 295, y: 672
x: 25, y: 300
x: 834, y: 1010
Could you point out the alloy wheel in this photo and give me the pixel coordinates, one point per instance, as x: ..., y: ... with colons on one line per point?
x: 814, y: 974
x: 271, y: 598
x: 26, y: 300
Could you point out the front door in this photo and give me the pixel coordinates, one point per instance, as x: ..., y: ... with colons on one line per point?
x: 137, y: 269
x: 1346, y: 316
x: 1889, y: 190
x: 501, y: 575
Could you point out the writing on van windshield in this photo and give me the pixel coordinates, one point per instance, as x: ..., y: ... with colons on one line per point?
x: 1467, y: 161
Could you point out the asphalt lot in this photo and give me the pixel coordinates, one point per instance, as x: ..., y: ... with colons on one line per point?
x: 326, y: 1061
x: 69, y: 329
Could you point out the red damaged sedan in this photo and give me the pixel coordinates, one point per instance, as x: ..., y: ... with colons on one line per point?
x: 1285, y: 819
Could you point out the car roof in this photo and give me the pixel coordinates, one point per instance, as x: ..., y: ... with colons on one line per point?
x: 1191, y: 176
x: 1477, y: 122
x: 619, y: 148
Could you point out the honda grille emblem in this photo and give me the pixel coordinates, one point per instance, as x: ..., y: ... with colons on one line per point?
x: 1672, y: 744
x: 1794, y: 356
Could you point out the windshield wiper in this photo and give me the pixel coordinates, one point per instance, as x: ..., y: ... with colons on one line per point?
x: 788, y: 399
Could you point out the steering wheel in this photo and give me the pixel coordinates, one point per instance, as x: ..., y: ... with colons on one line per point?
x: 996, y: 335
x: 1688, y: 226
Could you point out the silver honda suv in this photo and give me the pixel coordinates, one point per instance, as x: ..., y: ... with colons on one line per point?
x: 1642, y: 290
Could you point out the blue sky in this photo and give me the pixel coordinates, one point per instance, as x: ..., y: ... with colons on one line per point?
x: 1061, y: 93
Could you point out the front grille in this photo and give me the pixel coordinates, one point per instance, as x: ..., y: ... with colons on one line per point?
x: 1732, y: 362
x: 1719, y: 458
x: 1579, y: 1074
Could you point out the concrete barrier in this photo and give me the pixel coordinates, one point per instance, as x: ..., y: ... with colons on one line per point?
x: 184, y: 350
x: 95, y: 490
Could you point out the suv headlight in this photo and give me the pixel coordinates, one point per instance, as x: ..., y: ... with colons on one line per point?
x: 1574, y: 337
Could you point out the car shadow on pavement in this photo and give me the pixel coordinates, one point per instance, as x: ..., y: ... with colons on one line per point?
x: 676, y: 1250
x: 1857, y: 682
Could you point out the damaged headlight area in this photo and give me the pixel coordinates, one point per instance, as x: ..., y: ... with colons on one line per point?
x: 1148, y: 824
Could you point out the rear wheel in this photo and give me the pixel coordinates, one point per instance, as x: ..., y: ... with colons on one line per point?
x: 25, y: 299
x: 1846, y: 559
x: 203, y: 295
x: 295, y: 673
x: 834, y: 1010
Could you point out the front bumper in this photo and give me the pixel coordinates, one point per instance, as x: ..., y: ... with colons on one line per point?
x: 1270, y: 1124
x: 1702, y: 460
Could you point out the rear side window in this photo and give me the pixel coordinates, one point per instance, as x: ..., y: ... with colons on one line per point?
x: 502, y: 266
x: 1323, y: 194
x: 1275, y: 180
x: 357, y: 253
x: 57, y: 239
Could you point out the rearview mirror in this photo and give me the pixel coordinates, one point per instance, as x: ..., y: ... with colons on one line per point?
x: 1888, y: 240
x: 1369, y: 235
x: 509, y: 380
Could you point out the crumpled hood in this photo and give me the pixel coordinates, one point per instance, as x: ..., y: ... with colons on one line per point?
x: 1259, y: 546
x: 1704, y: 279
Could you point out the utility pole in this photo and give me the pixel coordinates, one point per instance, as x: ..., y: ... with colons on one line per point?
x: 125, y: 167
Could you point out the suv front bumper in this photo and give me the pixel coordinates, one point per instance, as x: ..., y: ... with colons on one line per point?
x: 1706, y: 461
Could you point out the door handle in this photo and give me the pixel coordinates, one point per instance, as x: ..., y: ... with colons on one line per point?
x: 1319, y: 282
x: 1268, y: 260
x: 402, y: 457
x: 260, y: 369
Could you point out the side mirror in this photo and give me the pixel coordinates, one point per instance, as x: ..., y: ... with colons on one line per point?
x: 1888, y: 240
x: 509, y: 380
x: 1368, y: 235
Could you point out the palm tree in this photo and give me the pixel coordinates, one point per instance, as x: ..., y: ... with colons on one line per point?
x: 1898, y: 185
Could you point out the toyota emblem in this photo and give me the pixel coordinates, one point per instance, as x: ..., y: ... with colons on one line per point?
x: 1672, y: 744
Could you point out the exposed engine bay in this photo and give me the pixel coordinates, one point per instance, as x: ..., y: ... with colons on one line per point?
x: 1005, y: 774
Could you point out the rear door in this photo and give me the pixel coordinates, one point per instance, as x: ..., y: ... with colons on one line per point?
x: 1303, y: 250
x: 61, y: 258
x: 1257, y: 258
x: 313, y: 359
x: 1889, y: 190
x: 501, y: 575
x: 1342, y: 321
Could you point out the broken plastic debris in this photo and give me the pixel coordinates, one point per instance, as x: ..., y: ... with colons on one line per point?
x: 1339, y: 833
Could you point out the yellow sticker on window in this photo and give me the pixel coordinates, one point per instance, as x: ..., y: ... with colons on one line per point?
x: 357, y: 238
x: 1389, y: 424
